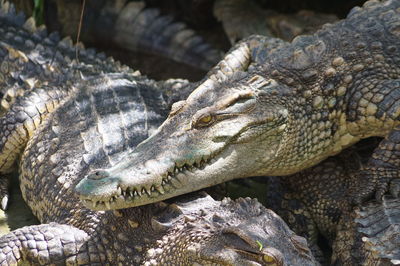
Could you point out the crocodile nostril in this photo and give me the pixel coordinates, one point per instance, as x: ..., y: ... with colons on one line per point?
x: 98, y: 174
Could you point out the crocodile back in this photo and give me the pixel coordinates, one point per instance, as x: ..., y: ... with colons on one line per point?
x: 93, y: 128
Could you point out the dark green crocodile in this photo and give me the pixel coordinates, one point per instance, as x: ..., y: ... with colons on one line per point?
x: 296, y: 104
x: 316, y: 202
x: 61, y: 118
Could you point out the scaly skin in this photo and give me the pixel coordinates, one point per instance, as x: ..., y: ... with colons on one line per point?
x: 61, y: 119
x: 37, y: 75
x: 194, y: 229
x: 369, y: 235
x: 241, y: 18
x: 296, y: 104
x: 317, y: 201
x: 130, y: 26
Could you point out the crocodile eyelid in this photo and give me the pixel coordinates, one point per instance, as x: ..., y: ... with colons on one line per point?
x: 235, y: 97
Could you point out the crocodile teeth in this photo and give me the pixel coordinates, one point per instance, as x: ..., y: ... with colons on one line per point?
x: 131, y: 194
x: 119, y: 190
x: 160, y: 190
x: 107, y: 205
x: 145, y: 191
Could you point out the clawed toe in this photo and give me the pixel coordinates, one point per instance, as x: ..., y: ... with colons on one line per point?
x: 4, y: 182
x: 4, y: 202
x: 375, y: 181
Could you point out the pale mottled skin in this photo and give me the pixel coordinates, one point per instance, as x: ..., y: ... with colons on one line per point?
x: 296, y: 104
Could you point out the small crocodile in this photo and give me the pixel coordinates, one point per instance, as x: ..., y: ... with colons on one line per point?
x: 296, y: 104
x: 316, y: 202
x: 63, y: 117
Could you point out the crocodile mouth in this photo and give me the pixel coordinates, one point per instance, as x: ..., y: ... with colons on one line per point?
x: 174, y: 182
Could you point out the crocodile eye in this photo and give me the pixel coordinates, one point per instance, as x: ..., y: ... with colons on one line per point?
x: 204, y: 120
x: 268, y: 259
x: 273, y: 257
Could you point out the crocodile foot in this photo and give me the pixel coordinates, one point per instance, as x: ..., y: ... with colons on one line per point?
x: 378, y: 181
x: 381, y: 174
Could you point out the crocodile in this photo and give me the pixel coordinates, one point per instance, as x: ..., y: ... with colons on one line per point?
x: 130, y: 26
x: 40, y: 69
x: 126, y: 22
x: 286, y: 108
x: 194, y: 230
x: 266, y: 22
x: 369, y: 235
x: 62, y: 117
x: 316, y: 202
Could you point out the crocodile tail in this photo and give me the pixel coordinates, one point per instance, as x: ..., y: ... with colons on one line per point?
x: 144, y: 29
x: 233, y: 13
x: 133, y: 27
x: 9, y: 14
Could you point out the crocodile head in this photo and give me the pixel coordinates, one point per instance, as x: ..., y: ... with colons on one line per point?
x: 202, y: 231
x: 217, y: 134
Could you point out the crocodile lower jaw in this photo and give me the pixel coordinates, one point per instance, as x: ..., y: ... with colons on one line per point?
x: 174, y: 183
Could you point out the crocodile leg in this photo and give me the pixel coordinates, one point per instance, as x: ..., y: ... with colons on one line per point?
x: 381, y: 170
x: 46, y: 244
x: 380, y: 108
x: 295, y: 212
